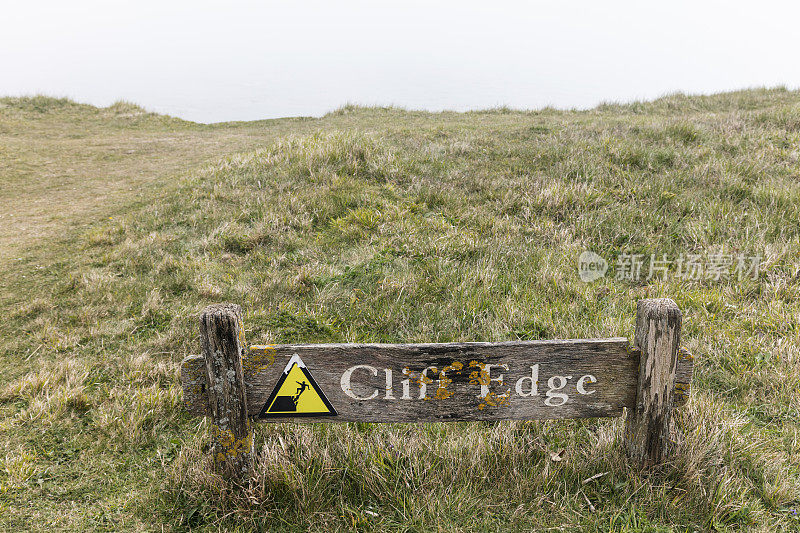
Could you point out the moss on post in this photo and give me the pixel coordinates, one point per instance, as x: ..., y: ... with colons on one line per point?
x: 222, y: 335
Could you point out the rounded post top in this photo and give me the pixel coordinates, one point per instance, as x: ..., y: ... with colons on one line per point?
x: 223, y: 309
x: 658, y: 308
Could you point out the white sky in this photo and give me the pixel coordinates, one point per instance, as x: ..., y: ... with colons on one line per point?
x: 236, y: 60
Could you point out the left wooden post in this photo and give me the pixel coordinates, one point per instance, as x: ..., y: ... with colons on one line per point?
x: 222, y: 335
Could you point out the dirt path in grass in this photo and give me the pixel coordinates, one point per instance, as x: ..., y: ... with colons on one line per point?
x: 56, y: 176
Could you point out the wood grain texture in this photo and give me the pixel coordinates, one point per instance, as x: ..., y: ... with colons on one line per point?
x: 193, y: 377
x: 647, y: 429
x: 456, y: 395
x: 194, y: 383
x: 222, y: 337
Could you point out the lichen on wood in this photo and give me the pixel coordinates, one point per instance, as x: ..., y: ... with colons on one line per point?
x: 223, y: 343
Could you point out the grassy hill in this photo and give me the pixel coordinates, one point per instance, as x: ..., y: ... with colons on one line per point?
x: 117, y: 226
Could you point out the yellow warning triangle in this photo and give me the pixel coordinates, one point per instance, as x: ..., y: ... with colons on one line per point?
x: 296, y: 394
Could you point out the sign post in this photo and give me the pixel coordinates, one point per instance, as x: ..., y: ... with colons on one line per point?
x: 222, y: 335
x: 658, y: 333
x: 518, y: 380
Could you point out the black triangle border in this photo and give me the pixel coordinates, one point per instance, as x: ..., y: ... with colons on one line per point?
x: 265, y: 414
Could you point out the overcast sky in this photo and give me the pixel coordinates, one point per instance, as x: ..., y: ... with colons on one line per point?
x: 234, y: 60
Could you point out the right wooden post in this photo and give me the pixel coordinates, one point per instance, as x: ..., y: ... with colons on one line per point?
x: 647, y: 429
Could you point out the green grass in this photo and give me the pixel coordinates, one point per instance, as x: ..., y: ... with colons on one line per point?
x: 384, y: 225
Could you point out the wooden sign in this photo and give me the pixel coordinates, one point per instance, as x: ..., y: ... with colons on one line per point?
x: 519, y: 380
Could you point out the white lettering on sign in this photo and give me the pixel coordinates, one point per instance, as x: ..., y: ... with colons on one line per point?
x: 406, y: 385
x: 580, y: 387
x: 553, y: 397
x: 489, y: 377
x: 423, y: 382
x: 389, y: 395
x: 345, y: 382
x: 532, y: 382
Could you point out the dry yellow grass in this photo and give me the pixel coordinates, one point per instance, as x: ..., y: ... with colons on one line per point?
x: 387, y: 225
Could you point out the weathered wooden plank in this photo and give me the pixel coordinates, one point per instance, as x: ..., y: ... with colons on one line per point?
x: 459, y: 381
x: 658, y: 328
x: 223, y: 344
x: 194, y: 383
x: 193, y: 377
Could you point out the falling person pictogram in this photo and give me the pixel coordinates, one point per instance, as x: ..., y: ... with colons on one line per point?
x: 296, y: 394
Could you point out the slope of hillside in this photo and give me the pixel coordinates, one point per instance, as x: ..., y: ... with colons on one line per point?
x: 387, y: 225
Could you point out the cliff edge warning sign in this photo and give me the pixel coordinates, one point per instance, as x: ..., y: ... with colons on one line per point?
x: 296, y: 394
